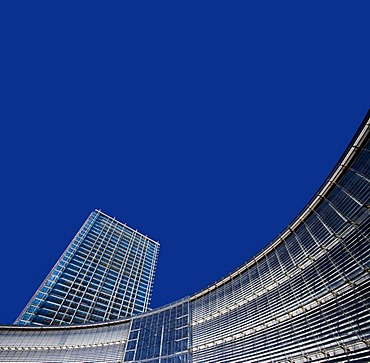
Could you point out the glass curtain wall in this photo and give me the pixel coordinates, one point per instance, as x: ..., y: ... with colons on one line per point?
x: 304, y: 298
x: 105, y: 273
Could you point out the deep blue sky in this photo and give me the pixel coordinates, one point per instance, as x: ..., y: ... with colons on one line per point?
x: 206, y: 125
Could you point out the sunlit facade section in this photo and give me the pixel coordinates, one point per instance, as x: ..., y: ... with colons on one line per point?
x: 89, y: 343
x: 105, y: 273
x: 304, y: 298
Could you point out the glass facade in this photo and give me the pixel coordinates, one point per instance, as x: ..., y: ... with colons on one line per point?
x: 304, y: 298
x: 105, y: 273
x: 161, y: 335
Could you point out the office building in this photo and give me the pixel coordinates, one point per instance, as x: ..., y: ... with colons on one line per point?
x: 303, y: 298
x: 105, y: 273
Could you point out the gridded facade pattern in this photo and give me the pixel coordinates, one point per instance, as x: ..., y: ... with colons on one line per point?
x: 105, y: 273
x: 100, y: 343
x: 304, y: 298
x: 162, y: 335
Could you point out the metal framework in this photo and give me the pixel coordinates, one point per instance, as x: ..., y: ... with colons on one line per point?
x: 105, y: 273
x: 304, y: 298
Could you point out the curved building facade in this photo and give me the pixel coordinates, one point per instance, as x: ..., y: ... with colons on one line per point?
x: 304, y: 298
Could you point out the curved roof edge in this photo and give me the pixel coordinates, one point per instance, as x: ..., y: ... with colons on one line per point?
x: 72, y: 326
x: 350, y: 152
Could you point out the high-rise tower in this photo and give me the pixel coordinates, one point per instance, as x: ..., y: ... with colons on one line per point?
x: 105, y: 273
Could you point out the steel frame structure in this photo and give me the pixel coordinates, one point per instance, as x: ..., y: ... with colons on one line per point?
x: 304, y: 298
